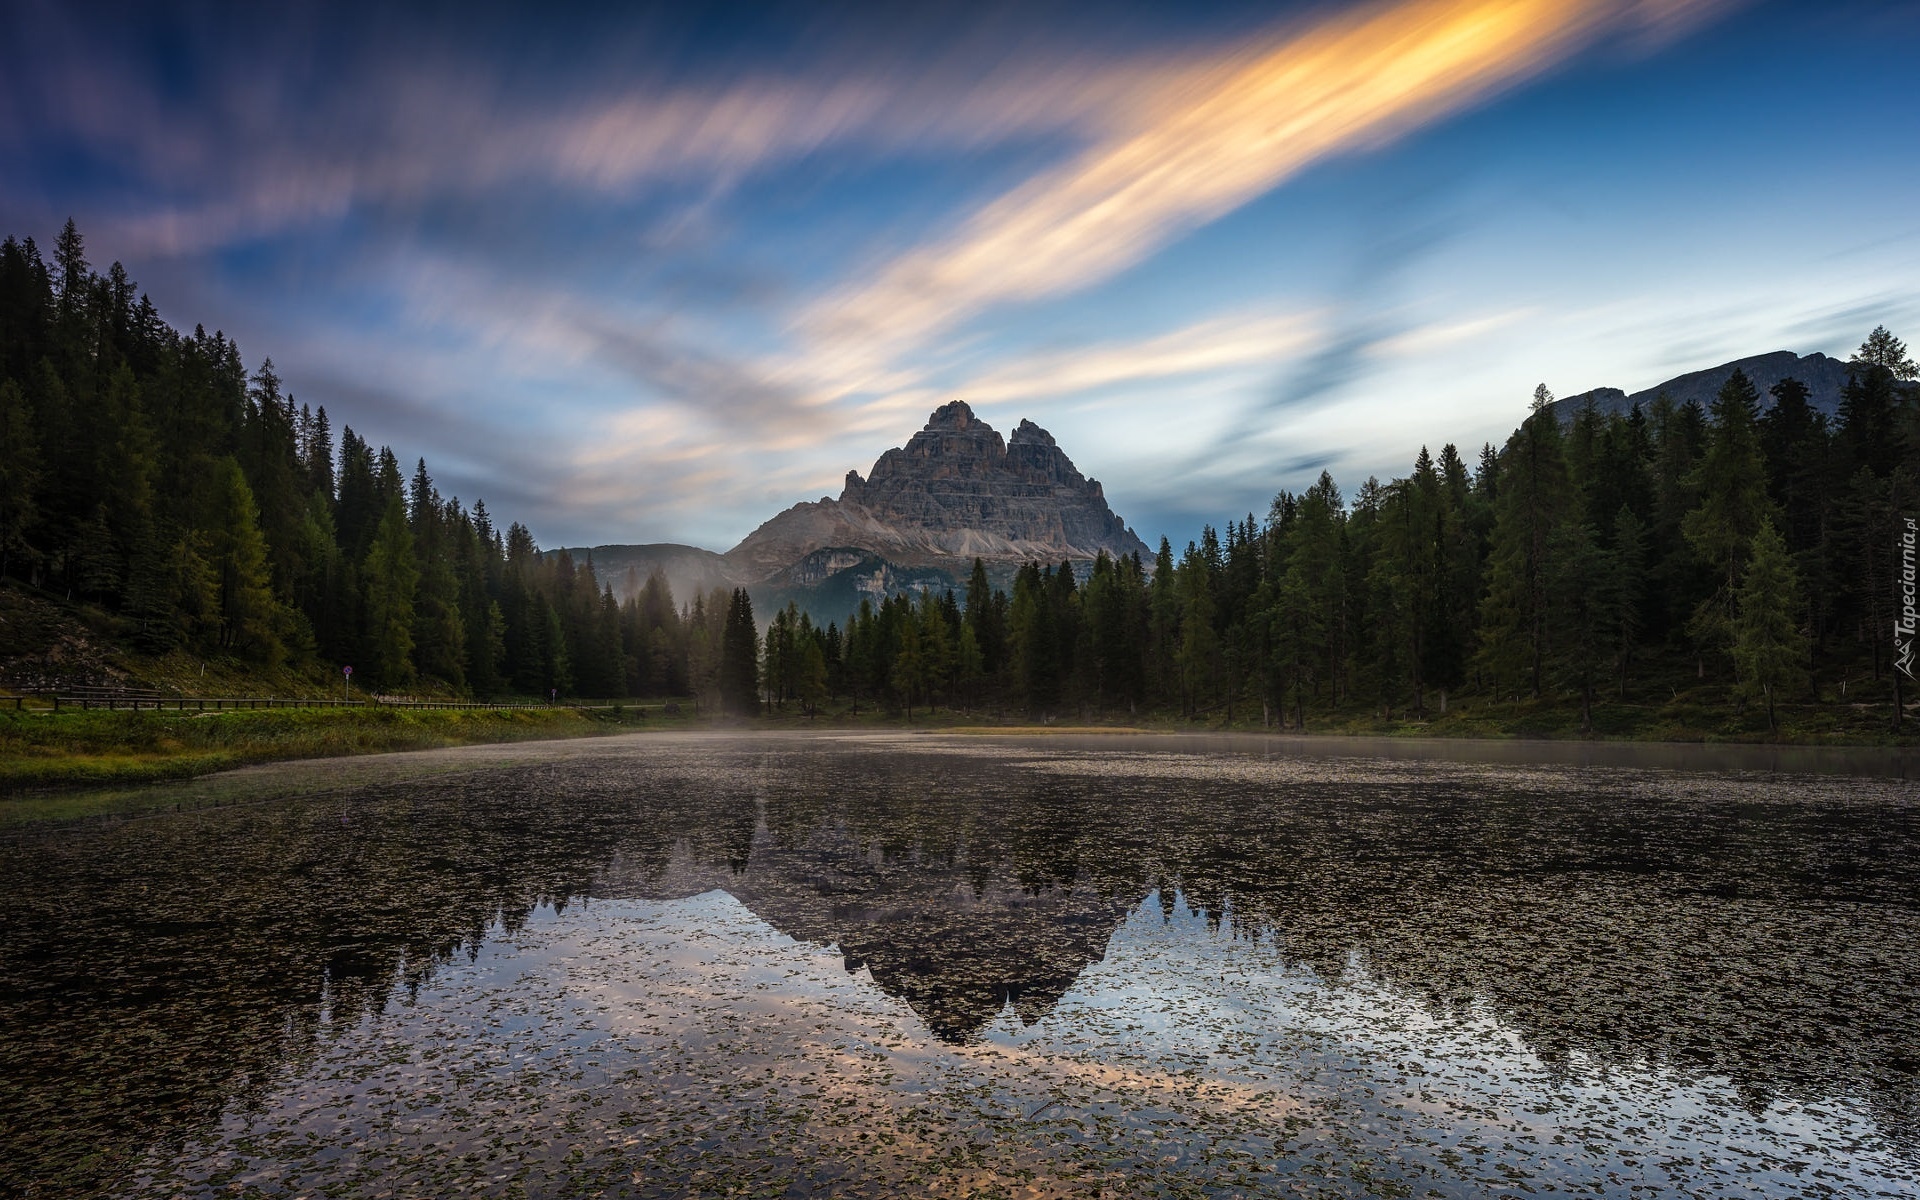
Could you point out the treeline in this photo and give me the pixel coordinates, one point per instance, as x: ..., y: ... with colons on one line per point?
x: 1743, y: 547
x: 149, y: 472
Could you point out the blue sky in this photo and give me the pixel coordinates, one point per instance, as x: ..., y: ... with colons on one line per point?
x: 656, y: 279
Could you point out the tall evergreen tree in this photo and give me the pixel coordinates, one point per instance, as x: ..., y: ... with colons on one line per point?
x: 1768, y: 646
x: 19, y: 473
x: 1732, y: 484
x: 1534, y: 496
x: 237, y: 558
x: 392, y: 574
x: 739, y: 670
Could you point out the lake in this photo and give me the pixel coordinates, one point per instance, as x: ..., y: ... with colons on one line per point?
x: 870, y: 964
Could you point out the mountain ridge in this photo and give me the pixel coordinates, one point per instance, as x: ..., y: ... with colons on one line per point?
x: 956, y: 491
x: 1824, y: 375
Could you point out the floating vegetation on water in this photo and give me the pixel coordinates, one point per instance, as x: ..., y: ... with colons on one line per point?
x: 767, y: 967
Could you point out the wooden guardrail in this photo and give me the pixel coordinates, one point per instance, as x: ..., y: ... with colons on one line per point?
x: 88, y: 699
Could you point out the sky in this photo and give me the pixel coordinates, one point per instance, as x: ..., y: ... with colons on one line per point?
x: 657, y: 275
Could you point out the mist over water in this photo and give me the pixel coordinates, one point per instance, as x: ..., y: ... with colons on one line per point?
x: 853, y: 965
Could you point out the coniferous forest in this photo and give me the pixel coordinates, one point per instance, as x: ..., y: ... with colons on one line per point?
x: 1748, y: 550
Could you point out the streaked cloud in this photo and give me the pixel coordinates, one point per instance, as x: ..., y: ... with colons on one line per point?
x: 660, y: 283
x: 241, y: 158
x: 1217, y: 344
x: 1232, y: 131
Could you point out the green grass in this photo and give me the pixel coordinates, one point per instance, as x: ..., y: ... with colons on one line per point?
x: 1705, y: 714
x: 40, y: 749
x: 58, y: 766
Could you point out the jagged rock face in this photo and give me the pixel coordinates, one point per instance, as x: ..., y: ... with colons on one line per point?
x: 955, y: 491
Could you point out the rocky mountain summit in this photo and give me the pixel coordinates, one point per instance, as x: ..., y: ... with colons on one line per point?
x: 1825, y: 377
x: 956, y: 491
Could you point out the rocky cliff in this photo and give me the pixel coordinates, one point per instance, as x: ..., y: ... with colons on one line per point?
x: 956, y: 491
x: 1825, y: 377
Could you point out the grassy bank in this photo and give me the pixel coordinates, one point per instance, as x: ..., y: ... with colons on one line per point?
x: 1702, y: 716
x: 47, y: 758
x: 71, y: 749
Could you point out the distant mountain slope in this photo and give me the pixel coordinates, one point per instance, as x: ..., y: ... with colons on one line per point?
x: 954, y: 492
x: 689, y: 570
x: 1825, y: 378
x: 830, y: 583
x: 826, y: 584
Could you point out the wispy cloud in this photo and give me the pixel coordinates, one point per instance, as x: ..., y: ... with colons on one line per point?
x: 646, y: 287
x: 1232, y: 132
x: 1216, y: 344
x: 247, y: 154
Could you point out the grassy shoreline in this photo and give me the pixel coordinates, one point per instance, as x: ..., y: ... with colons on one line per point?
x: 43, y: 751
x: 45, y: 756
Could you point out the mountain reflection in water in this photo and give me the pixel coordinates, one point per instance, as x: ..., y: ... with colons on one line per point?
x: 1750, y: 934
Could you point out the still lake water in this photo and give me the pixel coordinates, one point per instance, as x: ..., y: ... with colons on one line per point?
x: 851, y: 965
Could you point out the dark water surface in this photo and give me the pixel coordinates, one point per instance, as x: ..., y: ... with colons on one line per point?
x: 683, y: 965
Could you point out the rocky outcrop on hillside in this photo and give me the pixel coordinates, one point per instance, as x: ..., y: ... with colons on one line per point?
x: 1825, y: 377
x: 956, y: 491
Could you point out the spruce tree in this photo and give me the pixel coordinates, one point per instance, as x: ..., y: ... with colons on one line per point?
x: 392, y: 575
x: 739, y: 669
x: 1769, y: 648
x: 19, y: 474
x: 810, y: 676
x: 1885, y: 351
x: 1629, y: 587
x: 1584, y: 611
x: 1310, y: 601
x: 1732, y: 485
x: 1533, y: 500
x: 1031, y: 633
x: 237, y: 559
x: 1200, y: 651
x: 127, y: 472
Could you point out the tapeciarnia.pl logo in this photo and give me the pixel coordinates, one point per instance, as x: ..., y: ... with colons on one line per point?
x: 1903, y: 625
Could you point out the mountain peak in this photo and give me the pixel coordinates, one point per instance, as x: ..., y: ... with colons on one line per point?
x: 957, y: 490
x: 955, y: 414
x: 1029, y: 434
x: 1825, y: 377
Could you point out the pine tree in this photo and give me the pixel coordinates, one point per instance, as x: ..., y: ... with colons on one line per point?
x: 19, y: 473
x: 1584, y: 609
x: 739, y: 670
x: 1310, y: 602
x: 1883, y: 350
x: 1533, y: 500
x: 271, y: 457
x: 810, y: 676
x: 1676, y: 576
x: 1768, y: 646
x: 248, y: 616
x: 778, y: 661
x: 392, y: 575
x: 1628, y: 591
x: 1163, y: 627
x: 1199, y: 657
x: 1031, y: 634
x: 127, y: 473
x: 1732, y: 483
x: 70, y: 257
x: 936, y: 644
x: 1868, y: 420
x: 173, y: 595
x: 911, y: 673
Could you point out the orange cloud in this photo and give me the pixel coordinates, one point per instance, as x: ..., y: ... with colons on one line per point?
x: 1234, y: 131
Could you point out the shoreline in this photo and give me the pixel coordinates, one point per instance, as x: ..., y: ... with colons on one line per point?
x: 61, y: 783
